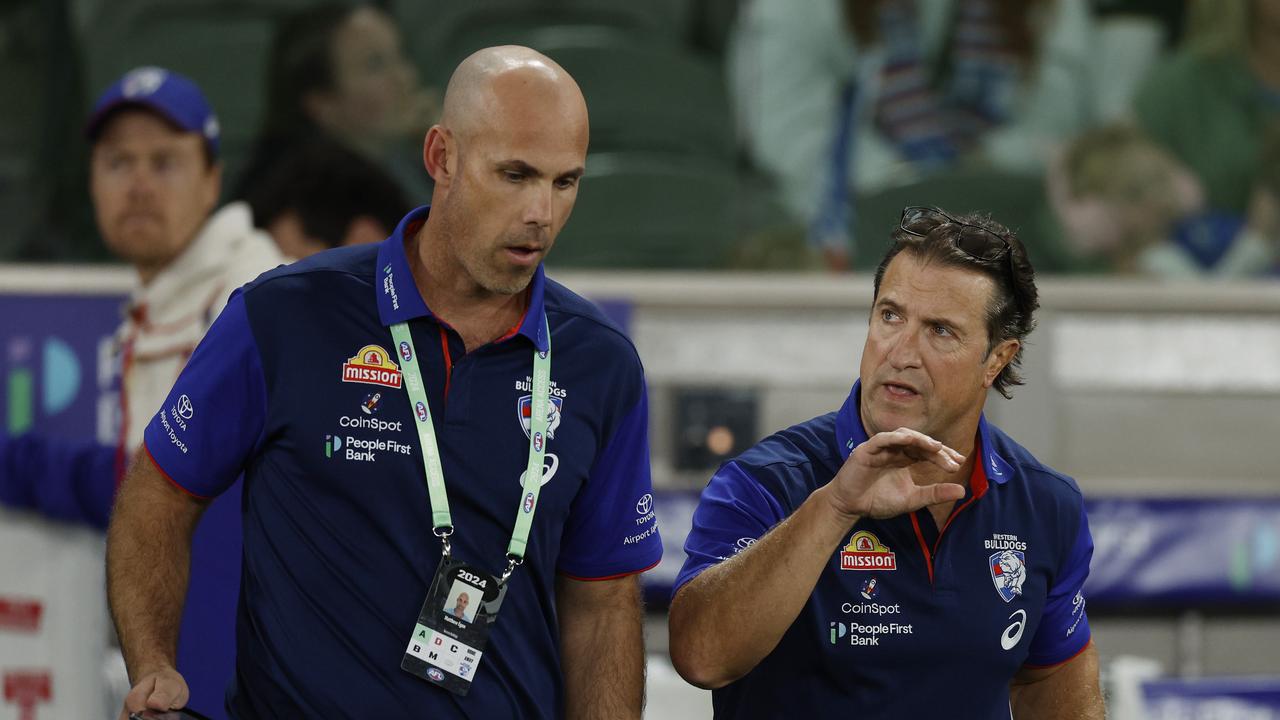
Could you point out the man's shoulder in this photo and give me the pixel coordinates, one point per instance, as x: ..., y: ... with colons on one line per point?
x: 1040, y: 477
x: 803, y: 453
x: 569, y: 310
x: 321, y: 273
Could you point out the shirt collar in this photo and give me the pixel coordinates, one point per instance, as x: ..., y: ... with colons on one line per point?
x: 850, y: 434
x: 399, y: 300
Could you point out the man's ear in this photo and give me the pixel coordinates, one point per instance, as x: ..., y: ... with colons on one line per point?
x: 440, y: 155
x: 999, y: 357
x: 212, y: 187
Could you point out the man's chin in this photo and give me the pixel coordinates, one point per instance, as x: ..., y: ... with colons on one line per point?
x: 510, y: 283
x: 139, y: 252
x: 887, y: 419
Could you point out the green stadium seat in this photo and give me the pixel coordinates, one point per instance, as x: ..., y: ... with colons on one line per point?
x: 22, y: 90
x: 436, y: 31
x: 650, y: 211
x: 642, y: 96
x: 221, y: 45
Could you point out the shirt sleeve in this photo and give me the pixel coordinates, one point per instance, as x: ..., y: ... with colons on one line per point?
x: 213, y: 419
x: 734, y: 512
x: 64, y: 480
x: 1064, y: 625
x: 612, y: 528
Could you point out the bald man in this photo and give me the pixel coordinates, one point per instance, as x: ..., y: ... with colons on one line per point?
x: 361, y: 513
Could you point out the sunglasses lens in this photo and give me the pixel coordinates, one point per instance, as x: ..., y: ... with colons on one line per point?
x: 977, y: 241
x: 980, y: 243
x: 920, y: 220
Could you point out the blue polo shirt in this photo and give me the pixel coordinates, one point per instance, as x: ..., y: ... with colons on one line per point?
x: 298, y: 384
x: 907, y: 620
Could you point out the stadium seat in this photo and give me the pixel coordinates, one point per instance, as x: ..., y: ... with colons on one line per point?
x: 650, y: 211
x: 436, y: 31
x: 222, y: 45
x: 21, y: 117
x: 643, y: 96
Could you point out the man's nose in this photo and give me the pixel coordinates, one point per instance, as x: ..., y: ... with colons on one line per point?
x: 905, y: 351
x: 537, y: 209
x: 142, y: 182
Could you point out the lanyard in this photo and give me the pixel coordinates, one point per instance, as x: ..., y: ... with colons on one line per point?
x: 441, y: 519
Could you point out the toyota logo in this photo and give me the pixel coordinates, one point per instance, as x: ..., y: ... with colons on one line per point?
x: 184, y: 407
x: 645, y: 504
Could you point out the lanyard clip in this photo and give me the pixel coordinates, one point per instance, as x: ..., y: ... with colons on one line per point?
x: 513, y: 562
x: 443, y: 533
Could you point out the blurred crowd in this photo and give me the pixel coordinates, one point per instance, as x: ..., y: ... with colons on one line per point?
x: 1123, y: 137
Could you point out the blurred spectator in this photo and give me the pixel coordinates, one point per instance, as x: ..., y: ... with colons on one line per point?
x: 321, y: 195
x: 833, y: 94
x: 1212, y: 103
x: 155, y: 177
x: 1125, y: 200
x: 340, y: 70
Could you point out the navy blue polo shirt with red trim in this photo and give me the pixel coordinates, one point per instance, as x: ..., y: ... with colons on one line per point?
x: 298, y: 384
x: 908, y: 619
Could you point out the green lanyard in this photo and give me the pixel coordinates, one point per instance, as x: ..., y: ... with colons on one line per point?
x: 441, y: 519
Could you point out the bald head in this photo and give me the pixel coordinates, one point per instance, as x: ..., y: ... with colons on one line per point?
x: 512, y: 84
x: 506, y: 158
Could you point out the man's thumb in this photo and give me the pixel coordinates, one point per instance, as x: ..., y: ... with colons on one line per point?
x: 946, y: 492
x: 160, y: 698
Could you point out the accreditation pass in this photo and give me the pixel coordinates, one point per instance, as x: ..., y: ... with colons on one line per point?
x: 453, y: 626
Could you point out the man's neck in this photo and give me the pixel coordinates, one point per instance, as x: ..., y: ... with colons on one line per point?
x: 479, y: 316
x: 930, y: 474
x: 147, y: 273
x: 963, y: 442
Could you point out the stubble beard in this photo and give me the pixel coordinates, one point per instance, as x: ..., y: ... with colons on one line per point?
x: 481, y: 264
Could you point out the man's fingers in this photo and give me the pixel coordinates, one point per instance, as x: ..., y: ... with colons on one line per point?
x: 904, y: 446
x: 946, y: 460
x: 170, y: 692
x: 137, y: 698
x: 160, y: 699
x: 941, y: 493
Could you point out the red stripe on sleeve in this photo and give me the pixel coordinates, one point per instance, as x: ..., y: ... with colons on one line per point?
x: 611, y: 577
x: 172, y: 482
x: 1060, y: 662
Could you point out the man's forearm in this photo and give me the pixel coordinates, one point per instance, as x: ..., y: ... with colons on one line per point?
x: 1068, y: 692
x: 732, y: 615
x: 601, y: 648
x: 148, y: 563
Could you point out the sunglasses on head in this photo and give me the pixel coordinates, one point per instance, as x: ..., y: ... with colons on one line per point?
x: 973, y: 240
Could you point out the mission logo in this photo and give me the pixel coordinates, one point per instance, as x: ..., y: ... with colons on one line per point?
x: 866, y: 552
x: 372, y: 366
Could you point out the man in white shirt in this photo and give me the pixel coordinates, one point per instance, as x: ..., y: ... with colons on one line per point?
x: 155, y: 178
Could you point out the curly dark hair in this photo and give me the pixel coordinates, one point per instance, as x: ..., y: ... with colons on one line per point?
x: 937, y: 237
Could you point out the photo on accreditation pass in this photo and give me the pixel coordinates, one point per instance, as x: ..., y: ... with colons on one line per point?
x: 462, y: 601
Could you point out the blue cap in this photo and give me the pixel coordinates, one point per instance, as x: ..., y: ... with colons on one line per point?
x: 174, y: 97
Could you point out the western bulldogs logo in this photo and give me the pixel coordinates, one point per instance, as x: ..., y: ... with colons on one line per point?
x: 524, y: 409
x: 1008, y: 572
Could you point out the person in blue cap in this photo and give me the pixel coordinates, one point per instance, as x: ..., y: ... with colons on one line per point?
x: 155, y: 179
x: 910, y: 559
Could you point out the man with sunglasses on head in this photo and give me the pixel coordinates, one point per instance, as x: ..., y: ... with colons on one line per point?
x: 910, y: 558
